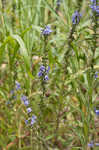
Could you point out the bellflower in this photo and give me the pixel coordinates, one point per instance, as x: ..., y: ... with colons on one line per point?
x: 46, y: 31
x: 26, y: 122
x: 29, y: 110
x: 91, y: 144
x: 46, y: 77
x: 42, y: 68
x: 95, y: 7
x: 96, y: 74
x: 47, y: 70
x: 18, y: 86
x: 33, y: 119
x: 76, y: 17
x: 26, y: 103
x: 97, y: 144
x: 43, y: 72
x: 40, y: 74
x: 97, y: 112
x: 93, y: 1
x: 23, y: 98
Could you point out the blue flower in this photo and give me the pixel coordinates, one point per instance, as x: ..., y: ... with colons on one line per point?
x: 94, y: 7
x: 12, y: 92
x: 42, y: 68
x: 46, y: 31
x: 23, y: 98
x: 76, y: 17
x: 33, y: 119
x: 47, y: 70
x: 18, y: 86
x: 46, y: 77
x: 96, y: 74
x: 40, y: 74
x: 29, y: 110
x: 43, y: 72
x: 97, y: 112
x: 91, y: 144
x: 93, y: 1
x: 26, y: 122
x: 97, y: 10
x: 97, y: 144
x: 26, y: 103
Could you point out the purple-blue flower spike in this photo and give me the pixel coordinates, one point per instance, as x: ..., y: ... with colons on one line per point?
x: 76, y: 17
x: 94, y: 7
x: 43, y: 72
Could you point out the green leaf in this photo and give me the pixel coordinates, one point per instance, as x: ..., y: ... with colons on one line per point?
x: 23, y: 51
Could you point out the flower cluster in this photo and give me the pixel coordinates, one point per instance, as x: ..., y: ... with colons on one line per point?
x: 24, y: 100
x: 94, y: 7
x: 44, y: 72
x: 30, y: 120
x: 76, y: 17
x: 46, y: 31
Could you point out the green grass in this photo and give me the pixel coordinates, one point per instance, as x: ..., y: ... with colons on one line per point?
x: 65, y: 112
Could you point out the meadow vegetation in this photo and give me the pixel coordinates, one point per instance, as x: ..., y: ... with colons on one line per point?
x: 49, y: 75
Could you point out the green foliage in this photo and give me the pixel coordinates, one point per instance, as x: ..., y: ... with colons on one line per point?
x: 64, y: 105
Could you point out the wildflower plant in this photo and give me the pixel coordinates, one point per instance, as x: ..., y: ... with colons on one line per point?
x: 49, y: 78
x: 44, y: 70
x: 76, y: 17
